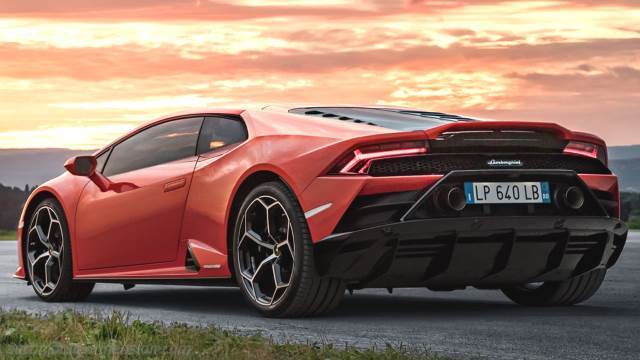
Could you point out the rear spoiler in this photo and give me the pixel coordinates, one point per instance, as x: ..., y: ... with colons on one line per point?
x: 555, y: 129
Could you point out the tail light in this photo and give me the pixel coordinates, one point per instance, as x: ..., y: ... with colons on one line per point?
x: 590, y: 150
x: 359, y: 161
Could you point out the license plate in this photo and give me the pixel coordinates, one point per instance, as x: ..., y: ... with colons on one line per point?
x: 507, y: 193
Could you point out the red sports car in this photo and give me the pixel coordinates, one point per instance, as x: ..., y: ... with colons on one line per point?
x: 297, y: 205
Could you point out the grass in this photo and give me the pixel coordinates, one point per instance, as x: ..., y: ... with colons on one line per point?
x: 8, y: 234
x: 69, y: 335
x: 634, y: 222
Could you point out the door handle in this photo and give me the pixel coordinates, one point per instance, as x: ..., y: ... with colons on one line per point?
x: 175, y: 185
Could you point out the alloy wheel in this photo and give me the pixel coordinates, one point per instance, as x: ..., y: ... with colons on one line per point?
x: 45, y: 241
x: 266, y: 250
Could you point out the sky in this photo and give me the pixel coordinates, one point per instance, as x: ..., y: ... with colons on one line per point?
x: 78, y: 73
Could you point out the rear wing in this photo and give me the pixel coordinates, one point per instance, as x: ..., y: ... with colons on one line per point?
x: 550, y: 128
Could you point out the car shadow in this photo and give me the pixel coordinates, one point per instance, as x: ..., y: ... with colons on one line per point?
x: 230, y: 302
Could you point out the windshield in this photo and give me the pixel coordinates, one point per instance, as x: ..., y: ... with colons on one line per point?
x: 395, y: 119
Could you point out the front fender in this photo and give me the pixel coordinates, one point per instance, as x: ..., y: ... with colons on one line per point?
x: 66, y: 189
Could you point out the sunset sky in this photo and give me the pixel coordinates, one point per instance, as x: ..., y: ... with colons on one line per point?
x: 77, y: 73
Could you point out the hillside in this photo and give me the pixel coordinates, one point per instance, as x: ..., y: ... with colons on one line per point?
x: 629, y: 172
x: 624, y: 152
x: 625, y: 162
x: 20, y: 167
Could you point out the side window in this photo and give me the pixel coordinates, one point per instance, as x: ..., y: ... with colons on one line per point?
x: 218, y: 132
x: 101, y: 160
x: 156, y: 145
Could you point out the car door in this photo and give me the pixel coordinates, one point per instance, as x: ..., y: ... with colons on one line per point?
x: 141, y: 223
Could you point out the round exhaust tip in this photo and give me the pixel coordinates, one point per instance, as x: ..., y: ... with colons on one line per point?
x: 456, y: 199
x: 574, y: 198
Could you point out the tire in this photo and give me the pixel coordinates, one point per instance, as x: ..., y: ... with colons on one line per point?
x: 49, y: 217
x: 562, y: 293
x: 298, y: 291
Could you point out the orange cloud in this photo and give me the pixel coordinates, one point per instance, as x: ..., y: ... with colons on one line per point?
x: 98, y: 68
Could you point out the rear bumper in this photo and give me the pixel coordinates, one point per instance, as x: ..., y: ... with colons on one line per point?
x: 472, y: 251
x: 342, y: 191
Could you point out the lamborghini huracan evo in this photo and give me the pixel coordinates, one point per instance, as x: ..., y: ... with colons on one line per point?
x: 297, y: 205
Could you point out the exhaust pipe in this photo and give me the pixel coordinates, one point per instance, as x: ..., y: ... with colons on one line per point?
x: 573, y: 198
x: 451, y: 199
x: 569, y: 197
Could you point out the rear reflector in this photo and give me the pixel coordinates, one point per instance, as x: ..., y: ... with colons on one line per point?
x: 587, y: 149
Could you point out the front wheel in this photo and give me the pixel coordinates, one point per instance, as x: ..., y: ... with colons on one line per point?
x: 273, y: 257
x: 569, y: 292
x: 47, y: 255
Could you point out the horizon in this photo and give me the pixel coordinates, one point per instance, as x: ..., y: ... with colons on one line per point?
x: 79, y: 74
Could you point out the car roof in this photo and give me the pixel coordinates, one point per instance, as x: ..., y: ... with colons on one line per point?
x: 284, y: 109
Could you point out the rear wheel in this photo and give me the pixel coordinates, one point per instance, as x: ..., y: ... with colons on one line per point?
x: 47, y: 255
x: 273, y: 257
x: 570, y: 292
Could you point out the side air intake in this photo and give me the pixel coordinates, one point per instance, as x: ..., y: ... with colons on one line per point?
x: 190, y: 261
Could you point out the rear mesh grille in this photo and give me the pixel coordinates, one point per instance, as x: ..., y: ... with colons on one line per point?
x: 444, y: 164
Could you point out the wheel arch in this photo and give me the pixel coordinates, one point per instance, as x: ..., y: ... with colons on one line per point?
x: 248, y: 183
x: 34, y: 200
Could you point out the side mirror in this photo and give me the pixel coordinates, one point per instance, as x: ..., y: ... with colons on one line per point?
x: 81, y: 165
x: 86, y: 166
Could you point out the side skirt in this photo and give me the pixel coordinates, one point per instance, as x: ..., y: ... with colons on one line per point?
x: 222, y: 282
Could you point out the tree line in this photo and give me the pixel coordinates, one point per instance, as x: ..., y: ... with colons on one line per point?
x: 630, y: 205
x: 11, y: 201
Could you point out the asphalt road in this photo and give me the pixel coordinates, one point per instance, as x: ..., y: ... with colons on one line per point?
x: 470, y: 323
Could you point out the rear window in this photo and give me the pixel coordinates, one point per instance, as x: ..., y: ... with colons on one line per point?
x: 395, y: 119
x: 218, y: 132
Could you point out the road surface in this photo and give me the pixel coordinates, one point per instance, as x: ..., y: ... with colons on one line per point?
x: 470, y: 323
